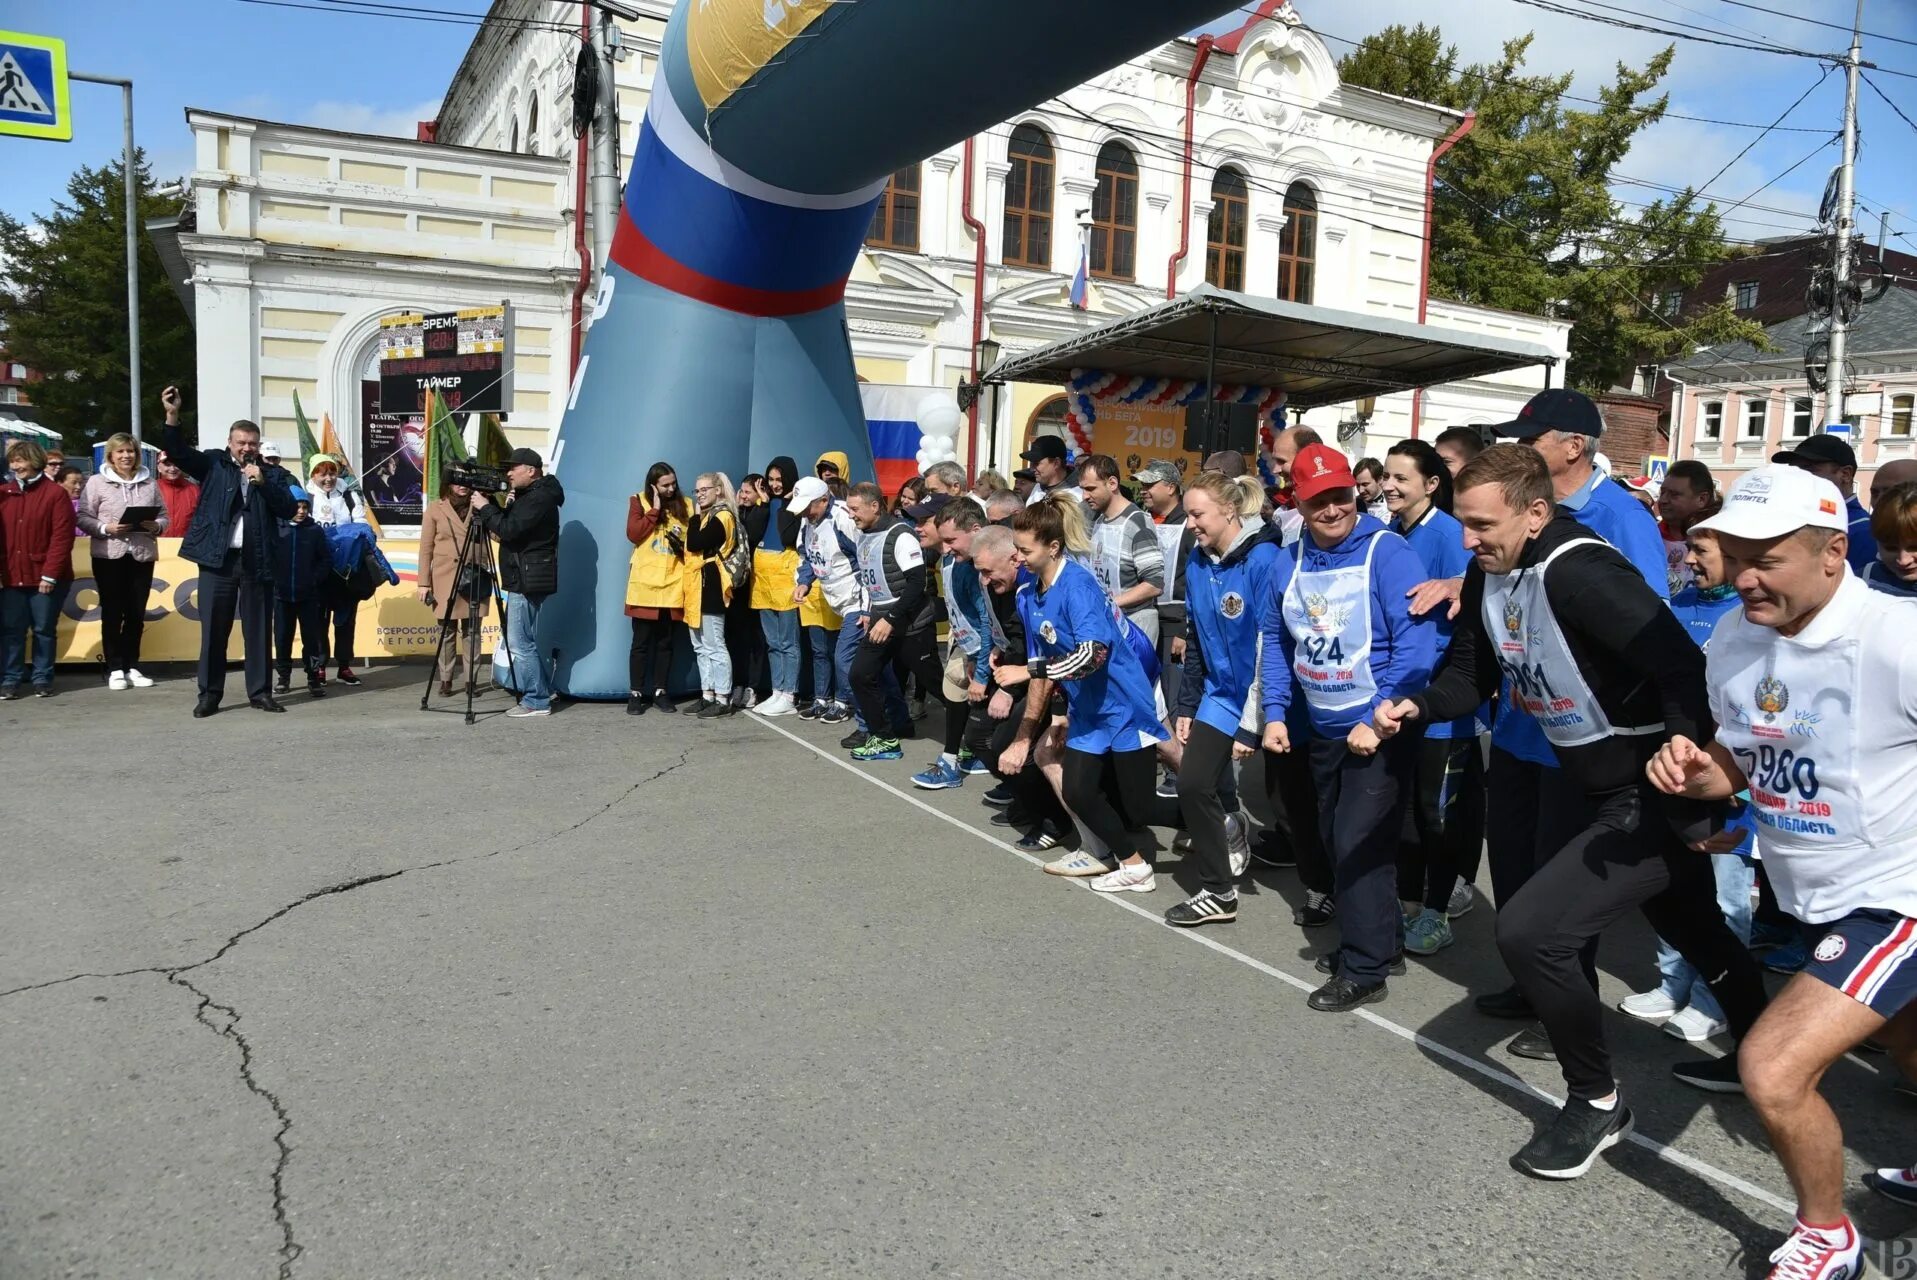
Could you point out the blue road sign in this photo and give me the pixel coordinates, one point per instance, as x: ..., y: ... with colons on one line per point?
x: 34, y: 102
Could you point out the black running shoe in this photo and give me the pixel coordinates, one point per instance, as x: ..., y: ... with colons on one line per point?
x: 1713, y: 1075
x: 1508, y: 1003
x: 1342, y: 994
x: 1317, y: 910
x: 1203, y: 907
x: 1567, y: 1147
x: 810, y: 710
x: 856, y: 738
x: 663, y: 702
x: 1273, y: 852
x: 1013, y: 816
x: 1000, y: 796
x: 716, y: 710
x: 1532, y: 1043
x: 346, y: 676
x: 1328, y: 963
x: 636, y: 704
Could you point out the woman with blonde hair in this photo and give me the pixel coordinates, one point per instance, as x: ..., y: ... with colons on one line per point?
x: 121, y: 509
x: 712, y: 537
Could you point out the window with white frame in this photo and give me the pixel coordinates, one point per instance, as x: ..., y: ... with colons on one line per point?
x: 1900, y: 416
x: 1801, y: 417
x: 1745, y: 295
x: 9, y: 395
x: 1710, y: 424
x: 1756, y: 419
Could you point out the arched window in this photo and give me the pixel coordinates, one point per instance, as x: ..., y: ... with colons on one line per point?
x: 1298, y: 245
x: 1115, y: 214
x: 1027, y: 238
x: 532, y: 126
x: 512, y: 137
x: 1047, y: 420
x: 895, y: 223
x: 1225, y: 233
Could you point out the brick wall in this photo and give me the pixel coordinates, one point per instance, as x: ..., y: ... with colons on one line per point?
x: 1630, y: 431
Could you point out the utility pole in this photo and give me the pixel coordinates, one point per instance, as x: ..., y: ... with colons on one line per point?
x: 605, y: 140
x: 1834, y: 423
x: 131, y: 185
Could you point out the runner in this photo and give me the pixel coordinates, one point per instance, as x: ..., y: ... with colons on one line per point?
x: 829, y: 562
x: 1229, y: 574
x: 892, y: 574
x: 1075, y: 638
x: 1813, y: 685
x: 1893, y: 523
x: 1126, y: 557
x: 1447, y: 806
x: 1051, y: 471
x: 967, y: 674
x: 1594, y: 653
x: 1457, y: 446
x: 1339, y: 636
x: 1831, y: 458
x: 1160, y: 488
x: 1688, y: 494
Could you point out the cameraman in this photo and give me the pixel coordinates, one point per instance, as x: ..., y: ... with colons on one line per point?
x: 232, y: 539
x: 528, y: 531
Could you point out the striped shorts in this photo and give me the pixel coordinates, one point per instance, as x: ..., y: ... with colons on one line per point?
x: 1870, y: 956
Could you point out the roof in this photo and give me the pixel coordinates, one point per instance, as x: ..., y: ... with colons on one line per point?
x: 1886, y: 327
x: 1317, y: 354
x: 1782, y: 273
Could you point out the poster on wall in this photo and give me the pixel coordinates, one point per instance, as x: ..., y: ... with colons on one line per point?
x: 392, y: 448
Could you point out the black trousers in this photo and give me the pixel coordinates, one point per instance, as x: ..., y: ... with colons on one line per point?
x: 745, y: 643
x: 649, y: 664
x: 226, y: 593
x: 309, y: 617
x: 1116, y: 794
x: 1627, y: 857
x: 1292, y: 791
x: 1361, y: 808
x: 1534, y: 810
x: 124, y: 585
x: 1447, y: 821
x: 345, y: 618
x: 987, y: 739
x: 868, y: 680
x: 1207, y: 757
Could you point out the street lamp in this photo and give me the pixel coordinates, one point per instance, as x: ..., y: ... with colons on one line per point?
x: 985, y: 359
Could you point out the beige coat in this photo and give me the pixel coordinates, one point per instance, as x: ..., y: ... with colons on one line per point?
x: 442, y: 532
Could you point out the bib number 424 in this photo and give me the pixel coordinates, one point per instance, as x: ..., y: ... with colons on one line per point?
x: 1322, y: 650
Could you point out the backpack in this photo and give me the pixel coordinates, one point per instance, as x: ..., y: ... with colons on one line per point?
x: 737, y: 558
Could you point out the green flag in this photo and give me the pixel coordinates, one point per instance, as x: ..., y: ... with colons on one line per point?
x: 494, y: 447
x: 445, y: 443
x: 308, y: 445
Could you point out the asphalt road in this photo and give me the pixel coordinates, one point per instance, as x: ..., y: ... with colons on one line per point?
x: 362, y: 992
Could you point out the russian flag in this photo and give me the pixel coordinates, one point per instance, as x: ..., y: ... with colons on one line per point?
x: 894, y: 431
x: 1082, y: 278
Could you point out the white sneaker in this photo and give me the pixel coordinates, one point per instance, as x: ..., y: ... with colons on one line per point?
x: 1463, y: 898
x: 138, y: 681
x: 1078, y: 865
x: 1134, y: 877
x: 116, y: 680
x: 1237, y: 843
x: 779, y: 704
x: 1694, y: 1026
x: 1652, y: 1006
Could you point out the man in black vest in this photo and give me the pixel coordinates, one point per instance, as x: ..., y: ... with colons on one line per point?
x: 242, y: 498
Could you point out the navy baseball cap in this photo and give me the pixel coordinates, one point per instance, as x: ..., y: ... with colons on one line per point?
x: 1824, y: 447
x: 1554, y: 409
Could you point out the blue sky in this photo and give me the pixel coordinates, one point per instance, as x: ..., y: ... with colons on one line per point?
x: 358, y: 71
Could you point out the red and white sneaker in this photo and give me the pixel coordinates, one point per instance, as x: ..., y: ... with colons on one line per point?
x: 1819, y: 1253
x: 1898, y: 1184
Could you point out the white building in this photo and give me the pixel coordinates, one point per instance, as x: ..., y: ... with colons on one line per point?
x: 1300, y: 188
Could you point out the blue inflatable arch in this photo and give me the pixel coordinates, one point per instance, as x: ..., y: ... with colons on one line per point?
x: 719, y: 336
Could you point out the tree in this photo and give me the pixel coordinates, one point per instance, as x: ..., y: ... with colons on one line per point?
x: 1523, y: 217
x: 63, y: 306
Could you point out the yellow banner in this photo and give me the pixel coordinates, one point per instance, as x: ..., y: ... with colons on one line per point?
x: 393, y: 624
x: 728, y: 41
x: 1141, y: 434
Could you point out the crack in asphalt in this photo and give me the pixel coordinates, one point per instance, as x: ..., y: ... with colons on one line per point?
x: 224, y: 1020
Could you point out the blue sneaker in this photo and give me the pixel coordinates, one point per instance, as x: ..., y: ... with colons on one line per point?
x: 1789, y: 958
x: 938, y: 776
x: 969, y: 763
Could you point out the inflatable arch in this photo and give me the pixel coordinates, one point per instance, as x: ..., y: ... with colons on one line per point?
x: 718, y: 338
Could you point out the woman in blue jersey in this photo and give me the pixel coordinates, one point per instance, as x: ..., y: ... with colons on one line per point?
x: 1227, y: 579
x: 1076, y: 639
x: 1893, y: 522
x: 1339, y: 634
x: 1447, y: 803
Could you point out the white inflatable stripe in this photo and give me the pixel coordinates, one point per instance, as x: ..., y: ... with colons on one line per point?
x: 686, y: 143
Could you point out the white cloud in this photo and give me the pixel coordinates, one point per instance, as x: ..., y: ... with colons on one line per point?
x: 360, y: 117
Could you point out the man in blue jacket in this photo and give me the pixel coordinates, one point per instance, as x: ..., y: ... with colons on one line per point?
x: 232, y: 539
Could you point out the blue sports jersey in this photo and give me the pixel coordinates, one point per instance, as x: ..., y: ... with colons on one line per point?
x: 1439, y: 541
x: 1699, y: 610
x: 1224, y: 602
x: 1878, y: 577
x: 1606, y: 509
x: 1116, y: 707
x: 1863, y: 543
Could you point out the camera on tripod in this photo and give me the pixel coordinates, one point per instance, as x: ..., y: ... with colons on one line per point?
x: 474, y: 476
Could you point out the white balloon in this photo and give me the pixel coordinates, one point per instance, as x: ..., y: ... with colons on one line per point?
x: 938, y: 416
x: 925, y: 459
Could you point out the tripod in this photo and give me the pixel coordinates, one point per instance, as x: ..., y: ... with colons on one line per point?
x: 475, y: 580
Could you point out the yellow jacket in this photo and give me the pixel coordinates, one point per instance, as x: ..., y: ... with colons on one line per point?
x: 656, y: 579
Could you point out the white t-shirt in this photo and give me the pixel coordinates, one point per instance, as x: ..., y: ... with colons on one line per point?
x: 1824, y: 724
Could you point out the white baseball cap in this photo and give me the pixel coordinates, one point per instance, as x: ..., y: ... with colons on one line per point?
x: 1775, y: 500
x: 807, y: 491
x: 270, y: 450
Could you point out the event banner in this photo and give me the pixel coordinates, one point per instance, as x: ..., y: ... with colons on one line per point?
x: 1139, y: 434
x: 393, y: 624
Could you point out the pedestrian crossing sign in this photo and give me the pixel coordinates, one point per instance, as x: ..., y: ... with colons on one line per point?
x: 33, y: 87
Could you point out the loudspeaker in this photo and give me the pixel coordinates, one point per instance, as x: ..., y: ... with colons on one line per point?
x: 1233, y: 426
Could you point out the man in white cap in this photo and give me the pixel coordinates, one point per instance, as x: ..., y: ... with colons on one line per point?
x: 269, y: 453
x: 1813, y: 685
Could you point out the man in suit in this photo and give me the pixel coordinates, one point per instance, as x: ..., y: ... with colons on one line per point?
x: 242, y: 498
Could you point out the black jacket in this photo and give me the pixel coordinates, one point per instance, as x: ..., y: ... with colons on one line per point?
x: 528, y: 533
x: 226, y: 497
x: 1634, y: 653
x: 305, y: 560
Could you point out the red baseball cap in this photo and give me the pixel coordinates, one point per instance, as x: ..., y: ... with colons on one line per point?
x: 1318, y: 468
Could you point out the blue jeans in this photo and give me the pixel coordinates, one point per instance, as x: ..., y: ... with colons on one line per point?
x: 850, y: 633
x: 24, y: 610
x: 782, y: 648
x: 715, y: 660
x: 522, y: 641
x: 1682, y: 983
x: 824, y: 644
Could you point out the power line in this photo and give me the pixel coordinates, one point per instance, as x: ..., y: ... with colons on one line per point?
x: 1887, y: 102
x: 1776, y: 12
x: 399, y: 13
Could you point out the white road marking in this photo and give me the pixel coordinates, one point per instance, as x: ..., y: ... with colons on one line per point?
x: 1664, y: 1152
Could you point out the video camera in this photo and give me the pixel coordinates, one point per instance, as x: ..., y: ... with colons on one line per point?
x: 474, y: 476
